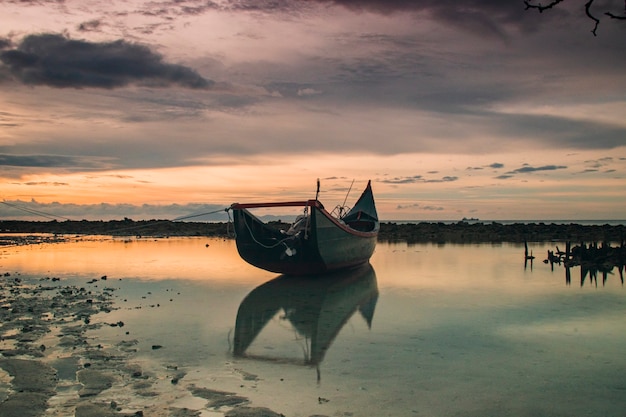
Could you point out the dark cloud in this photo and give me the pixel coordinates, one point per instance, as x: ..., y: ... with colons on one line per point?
x: 90, y: 26
x: 528, y: 168
x: 416, y: 179
x: 562, y: 131
x: 403, y: 180
x: 597, y: 163
x: 57, y: 61
x: 453, y: 9
x: 54, y: 184
x: 482, y: 17
x: 447, y: 178
x: 4, y: 43
x: 47, y: 161
x: 37, y: 160
x: 495, y: 165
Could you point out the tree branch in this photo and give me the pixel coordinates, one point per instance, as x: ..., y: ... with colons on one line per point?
x: 592, y: 17
x: 541, y: 8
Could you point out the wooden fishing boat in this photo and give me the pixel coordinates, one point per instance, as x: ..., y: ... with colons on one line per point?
x: 316, y: 242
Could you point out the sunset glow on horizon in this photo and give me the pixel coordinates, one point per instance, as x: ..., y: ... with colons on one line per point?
x: 137, y: 109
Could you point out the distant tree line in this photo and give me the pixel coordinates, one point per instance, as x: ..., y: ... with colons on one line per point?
x: 423, y: 232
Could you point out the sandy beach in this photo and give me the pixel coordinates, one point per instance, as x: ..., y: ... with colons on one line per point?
x: 52, y: 362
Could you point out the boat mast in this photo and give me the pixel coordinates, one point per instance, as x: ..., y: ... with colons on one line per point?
x: 345, y: 199
x: 317, y: 193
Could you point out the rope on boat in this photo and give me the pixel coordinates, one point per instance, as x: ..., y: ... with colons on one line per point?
x: 282, y: 241
x: 201, y: 214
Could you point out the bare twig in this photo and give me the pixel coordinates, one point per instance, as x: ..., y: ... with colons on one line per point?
x: 614, y: 16
x: 541, y: 8
x: 592, y: 17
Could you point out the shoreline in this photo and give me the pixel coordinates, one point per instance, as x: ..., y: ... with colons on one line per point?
x: 54, y: 359
x: 423, y: 232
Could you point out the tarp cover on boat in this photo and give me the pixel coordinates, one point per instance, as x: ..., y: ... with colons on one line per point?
x: 364, y: 209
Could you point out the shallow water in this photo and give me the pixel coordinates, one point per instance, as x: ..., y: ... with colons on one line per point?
x: 429, y: 330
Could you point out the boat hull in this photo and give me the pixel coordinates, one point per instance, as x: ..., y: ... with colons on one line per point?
x: 328, y: 246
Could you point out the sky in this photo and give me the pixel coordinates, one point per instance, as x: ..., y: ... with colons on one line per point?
x: 163, y: 109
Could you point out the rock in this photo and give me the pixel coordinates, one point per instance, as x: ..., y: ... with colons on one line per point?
x: 30, y: 375
x: 252, y: 412
x: 93, y: 381
x: 24, y: 404
x: 85, y: 409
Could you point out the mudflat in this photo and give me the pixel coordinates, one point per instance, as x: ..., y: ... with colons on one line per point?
x: 52, y: 362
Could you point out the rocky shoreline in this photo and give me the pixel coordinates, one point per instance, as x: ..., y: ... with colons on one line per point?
x: 52, y: 362
x: 423, y: 232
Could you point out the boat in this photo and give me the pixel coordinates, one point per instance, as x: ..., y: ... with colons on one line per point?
x: 316, y: 242
x: 317, y: 307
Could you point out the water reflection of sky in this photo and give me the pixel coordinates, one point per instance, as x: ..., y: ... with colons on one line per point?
x: 146, y: 258
x: 460, y: 330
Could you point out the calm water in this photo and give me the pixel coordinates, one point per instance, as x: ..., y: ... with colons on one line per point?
x: 428, y: 330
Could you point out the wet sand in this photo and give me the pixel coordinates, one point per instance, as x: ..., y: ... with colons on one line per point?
x: 52, y: 362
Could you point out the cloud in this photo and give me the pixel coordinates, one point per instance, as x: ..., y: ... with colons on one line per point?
x: 562, y: 131
x: 37, y: 160
x: 480, y: 17
x: 308, y: 92
x: 4, y: 43
x: 403, y: 180
x: 419, y: 206
x: 57, y: 61
x: 51, y: 161
x: 34, y: 210
x: 597, y: 163
x: 528, y: 168
x: 90, y: 26
x: 417, y: 179
x: 54, y: 184
x: 407, y: 206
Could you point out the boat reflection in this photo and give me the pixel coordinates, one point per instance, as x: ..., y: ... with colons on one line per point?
x: 316, y: 306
